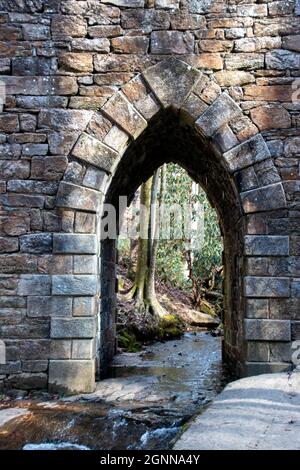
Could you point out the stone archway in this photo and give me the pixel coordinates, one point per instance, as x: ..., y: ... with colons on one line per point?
x: 174, y: 91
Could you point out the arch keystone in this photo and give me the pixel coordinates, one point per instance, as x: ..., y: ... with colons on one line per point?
x: 171, y: 81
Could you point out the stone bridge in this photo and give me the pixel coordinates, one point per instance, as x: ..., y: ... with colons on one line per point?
x: 96, y: 96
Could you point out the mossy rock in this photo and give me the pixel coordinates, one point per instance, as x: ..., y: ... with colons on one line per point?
x: 207, y: 308
x: 170, y: 326
x: 121, y: 283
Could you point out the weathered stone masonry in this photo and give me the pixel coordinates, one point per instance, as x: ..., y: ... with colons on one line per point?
x: 100, y: 93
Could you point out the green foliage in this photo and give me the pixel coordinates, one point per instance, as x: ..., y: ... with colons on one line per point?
x: 127, y: 341
x: 171, y: 253
x: 125, y: 259
x: 171, y: 257
x: 171, y: 262
x: 124, y: 250
x: 210, y: 255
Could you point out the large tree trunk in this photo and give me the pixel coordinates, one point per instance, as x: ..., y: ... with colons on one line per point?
x: 133, y: 241
x: 143, y: 289
x: 156, y: 200
x: 150, y: 320
x: 138, y: 288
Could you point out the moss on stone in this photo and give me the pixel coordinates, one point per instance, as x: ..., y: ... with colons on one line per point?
x: 170, y: 326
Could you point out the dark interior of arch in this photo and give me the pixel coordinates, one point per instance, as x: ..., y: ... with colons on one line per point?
x: 169, y: 138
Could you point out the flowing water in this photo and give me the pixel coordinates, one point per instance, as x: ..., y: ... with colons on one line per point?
x: 144, y: 404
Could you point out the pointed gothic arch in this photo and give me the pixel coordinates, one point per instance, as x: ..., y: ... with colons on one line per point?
x: 173, y: 103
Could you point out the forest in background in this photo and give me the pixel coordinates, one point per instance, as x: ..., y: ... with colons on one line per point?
x: 170, y: 280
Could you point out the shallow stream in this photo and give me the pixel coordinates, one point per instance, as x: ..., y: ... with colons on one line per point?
x: 144, y: 405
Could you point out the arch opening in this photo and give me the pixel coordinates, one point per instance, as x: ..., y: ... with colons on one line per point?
x: 169, y: 137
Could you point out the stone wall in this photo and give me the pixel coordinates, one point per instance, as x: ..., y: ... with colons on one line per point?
x: 223, y: 101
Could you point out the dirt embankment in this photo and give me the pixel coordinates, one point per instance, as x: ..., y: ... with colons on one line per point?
x: 135, y: 329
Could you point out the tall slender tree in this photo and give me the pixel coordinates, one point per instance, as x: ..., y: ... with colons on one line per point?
x: 143, y: 289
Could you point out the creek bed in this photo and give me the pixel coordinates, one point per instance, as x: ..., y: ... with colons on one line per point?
x: 143, y: 405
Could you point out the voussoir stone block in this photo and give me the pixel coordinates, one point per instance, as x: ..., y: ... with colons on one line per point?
x: 72, y: 376
x: 222, y: 110
x: 266, y: 245
x: 256, y: 286
x: 264, y: 199
x: 137, y: 93
x: 224, y: 139
x: 252, y: 151
x: 78, y: 197
x: 268, y: 330
x: 120, y: 110
x: 172, y: 80
x: 95, y: 179
x: 192, y: 108
x: 258, y: 175
x: 74, y: 243
x: 91, y: 150
x: 65, y: 284
x: 73, y: 327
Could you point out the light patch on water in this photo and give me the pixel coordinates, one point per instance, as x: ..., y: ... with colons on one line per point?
x: 160, y: 434
x: 71, y: 424
x: 55, y: 446
x: 117, y: 426
x: 49, y: 404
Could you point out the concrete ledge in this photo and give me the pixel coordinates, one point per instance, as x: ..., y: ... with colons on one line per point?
x: 256, y: 413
